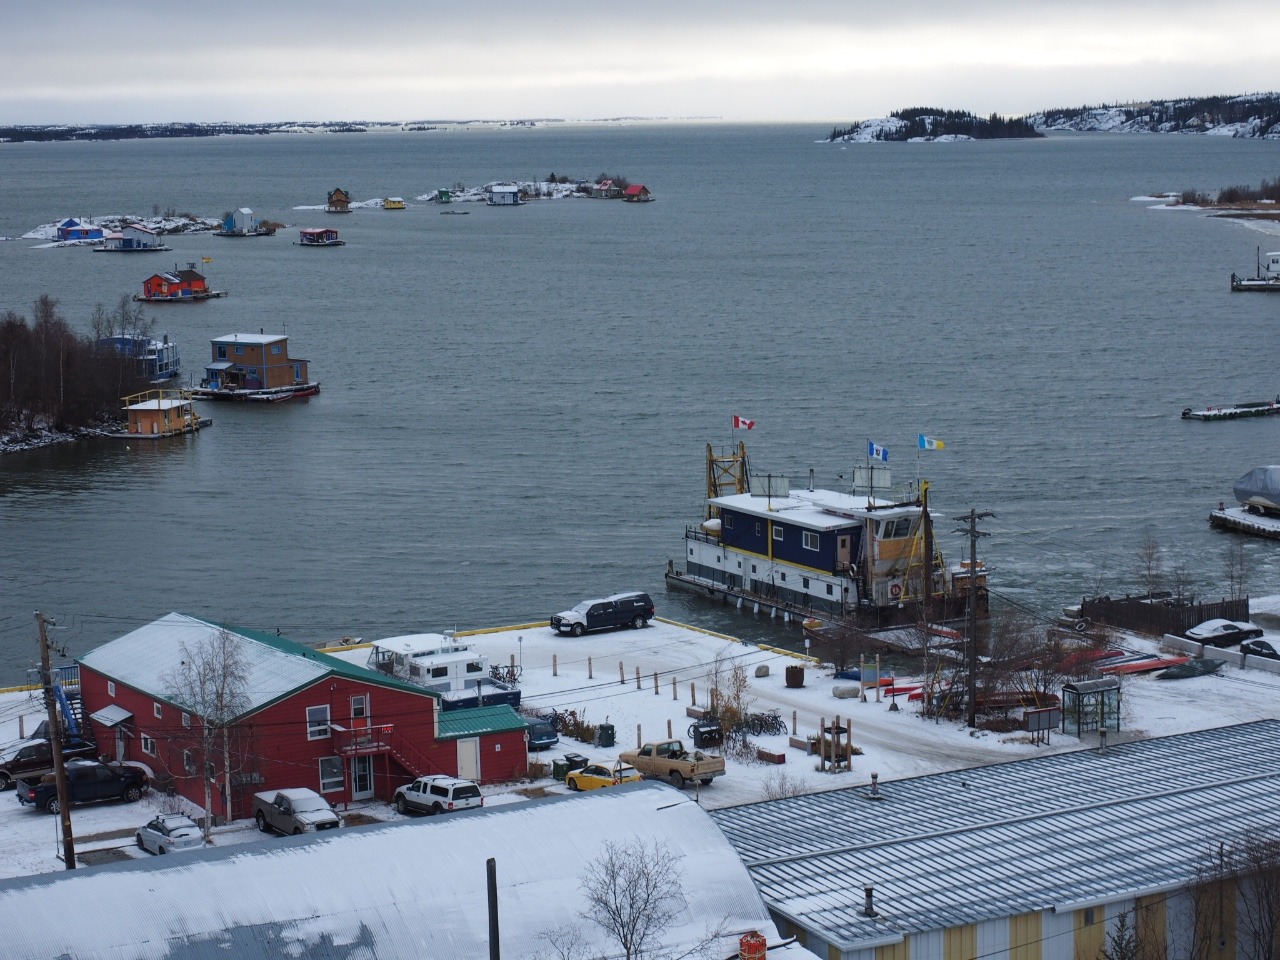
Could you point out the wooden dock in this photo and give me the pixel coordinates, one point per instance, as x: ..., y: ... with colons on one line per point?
x: 1235, y: 411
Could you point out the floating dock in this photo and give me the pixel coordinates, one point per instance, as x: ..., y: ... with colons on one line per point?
x: 1241, y: 520
x: 1235, y: 411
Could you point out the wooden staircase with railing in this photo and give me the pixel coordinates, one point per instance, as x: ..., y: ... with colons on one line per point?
x: 382, y: 738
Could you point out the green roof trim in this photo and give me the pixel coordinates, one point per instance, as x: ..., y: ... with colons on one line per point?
x: 499, y: 718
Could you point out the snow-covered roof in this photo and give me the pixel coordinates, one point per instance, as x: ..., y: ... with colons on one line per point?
x: 816, y: 509
x: 167, y: 403
x: 952, y: 849
x: 258, y: 339
x: 411, y: 890
x: 419, y: 644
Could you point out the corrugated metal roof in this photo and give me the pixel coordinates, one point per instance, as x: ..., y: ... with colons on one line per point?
x: 145, y: 658
x: 988, y: 842
x: 397, y: 891
x: 474, y: 721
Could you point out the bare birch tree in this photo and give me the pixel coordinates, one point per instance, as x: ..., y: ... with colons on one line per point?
x: 209, y: 683
x: 633, y: 891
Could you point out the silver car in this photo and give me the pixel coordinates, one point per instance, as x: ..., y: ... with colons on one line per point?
x: 169, y: 833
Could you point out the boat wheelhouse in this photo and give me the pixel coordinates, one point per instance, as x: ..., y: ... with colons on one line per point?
x: 318, y: 237
x: 850, y: 558
x: 1266, y: 277
x: 443, y: 665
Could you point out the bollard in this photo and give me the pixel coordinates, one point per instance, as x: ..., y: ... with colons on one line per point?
x: 622, y: 673
x: 693, y: 694
x: 555, y: 665
x: 639, y: 741
x: 638, y: 687
x: 795, y: 730
x: 513, y: 660
x: 674, y: 694
x: 588, y: 668
x: 668, y: 728
x: 655, y: 683
x: 877, y: 678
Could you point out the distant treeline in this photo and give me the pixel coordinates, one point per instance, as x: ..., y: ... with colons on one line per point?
x: 1270, y: 191
x: 920, y: 122
x: 1190, y: 114
x: 140, y: 131
x: 52, y: 377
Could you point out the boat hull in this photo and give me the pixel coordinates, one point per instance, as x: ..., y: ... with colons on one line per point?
x: 272, y: 395
x: 195, y: 297
x: 1255, y: 284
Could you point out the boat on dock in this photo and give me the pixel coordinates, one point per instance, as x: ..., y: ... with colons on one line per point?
x: 861, y: 561
x: 455, y: 670
x: 1265, y: 279
x: 1235, y: 411
x: 1257, y: 494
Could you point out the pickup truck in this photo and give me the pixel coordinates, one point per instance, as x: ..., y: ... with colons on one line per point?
x: 87, y: 780
x: 669, y: 760
x: 293, y: 811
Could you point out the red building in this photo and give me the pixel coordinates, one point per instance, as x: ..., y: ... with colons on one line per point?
x: 177, y: 284
x: 279, y: 715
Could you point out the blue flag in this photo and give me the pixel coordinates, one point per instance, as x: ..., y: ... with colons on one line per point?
x: 877, y: 452
x: 928, y: 443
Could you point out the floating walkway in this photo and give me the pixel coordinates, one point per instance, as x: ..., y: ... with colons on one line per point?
x: 1235, y: 411
x: 1241, y: 520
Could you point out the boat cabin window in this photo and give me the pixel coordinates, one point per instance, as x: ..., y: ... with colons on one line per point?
x: 757, y: 528
x: 895, y: 529
x: 439, y: 671
x: 728, y: 521
x: 475, y: 667
x: 777, y: 533
x: 810, y: 540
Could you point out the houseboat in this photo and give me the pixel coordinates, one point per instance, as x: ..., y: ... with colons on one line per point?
x: 444, y: 665
x: 1266, y: 276
x: 318, y: 237
x: 339, y: 201
x: 132, y: 238
x: 72, y: 230
x: 393, y: 203
x: 865, y: 560
x: 503, y: 195
x: 242, y: 223
x: 254, y: 366
x: 177, y: 286
x: 1258, y: 513
x: 161, y: 413
x: 638, y: 193
x: 157, y: 360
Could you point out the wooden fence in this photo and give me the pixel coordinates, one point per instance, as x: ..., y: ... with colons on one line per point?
x: 1159, y: 615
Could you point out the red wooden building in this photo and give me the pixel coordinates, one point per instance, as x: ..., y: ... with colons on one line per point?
x: 294, y: 717
x: 176, y: 284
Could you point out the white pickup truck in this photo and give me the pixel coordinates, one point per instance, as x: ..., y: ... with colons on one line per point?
x: 296, y: 810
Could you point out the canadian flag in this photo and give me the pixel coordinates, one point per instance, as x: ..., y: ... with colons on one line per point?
x: 742, y: 423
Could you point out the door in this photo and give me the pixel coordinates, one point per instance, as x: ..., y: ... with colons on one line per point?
x: 361, y: 778
x: 469, y: 759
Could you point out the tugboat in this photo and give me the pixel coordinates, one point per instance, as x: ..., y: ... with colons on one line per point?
x: 1266, y: 277
x: 866, y: 561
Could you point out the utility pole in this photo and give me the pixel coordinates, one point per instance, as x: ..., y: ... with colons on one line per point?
x: 55, y: 744
x: 971, y: 687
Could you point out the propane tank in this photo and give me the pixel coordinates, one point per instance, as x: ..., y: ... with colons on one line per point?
x: 752, y: 946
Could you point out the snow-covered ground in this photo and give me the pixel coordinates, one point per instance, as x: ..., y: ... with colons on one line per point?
x: 596, y: 676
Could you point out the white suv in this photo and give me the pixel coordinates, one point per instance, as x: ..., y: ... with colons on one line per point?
x: 438, y: 794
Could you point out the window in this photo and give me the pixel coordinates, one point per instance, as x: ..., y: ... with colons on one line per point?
x: 359, y: 706
x: 830, y: 590
x: 155, y: 709
x: 783, y: 576
x: 777, y: 534
x: 331, y: 778
x: 318, y: 722
x: 804, y: 582
x: 186, y: 719
x: 275, y: 348
x: 810, y: 539
x: 148, y: 745
x: 239, y: 350
x: 757, y: 528
x: 111, y: 688
x: 474, y: 667
x: 753, y: 568
x: 222, y: 353
x: 188, y: 761
x: 439, y: 671
x: 728, y: 521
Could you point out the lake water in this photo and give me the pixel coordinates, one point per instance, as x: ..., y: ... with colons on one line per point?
x: 516, y: 403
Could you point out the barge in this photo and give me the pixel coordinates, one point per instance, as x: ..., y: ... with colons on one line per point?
x: 864, y: 561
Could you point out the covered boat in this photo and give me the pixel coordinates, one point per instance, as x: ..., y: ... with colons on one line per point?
x: 1259, y: 489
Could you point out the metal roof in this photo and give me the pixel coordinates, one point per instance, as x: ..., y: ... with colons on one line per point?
x: 473, y: 721
x: 145, y: 658
x: 1062, y: 831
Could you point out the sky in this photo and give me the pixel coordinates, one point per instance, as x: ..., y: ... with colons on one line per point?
x: 840, y: 60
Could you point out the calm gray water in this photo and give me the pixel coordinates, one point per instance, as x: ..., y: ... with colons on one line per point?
x: 516, y: 403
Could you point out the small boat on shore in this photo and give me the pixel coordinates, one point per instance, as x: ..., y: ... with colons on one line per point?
x: 1235, y: 411
x: 1265, y: 279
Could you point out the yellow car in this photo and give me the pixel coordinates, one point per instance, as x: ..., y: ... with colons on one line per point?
x: 596, y: 775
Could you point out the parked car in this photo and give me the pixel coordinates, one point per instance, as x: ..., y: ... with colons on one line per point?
x: 87, y: 781
x: 1224, y: 633
x: 437, y: 794
x: 293, y: 811
x: 542, y: 735
x: 1261, y: 648
x: 618, y: 610
x: 169, y: 833
x: 595, y: 776
x: 32, y: 758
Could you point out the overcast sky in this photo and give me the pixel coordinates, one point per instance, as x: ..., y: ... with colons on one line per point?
x: 128, y: 61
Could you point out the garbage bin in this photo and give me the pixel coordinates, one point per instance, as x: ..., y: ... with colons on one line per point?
x: 559, y: 769
x: 605, y: 735
x: 576, y: 761
x: 795, y: 676
x: 706, y: 733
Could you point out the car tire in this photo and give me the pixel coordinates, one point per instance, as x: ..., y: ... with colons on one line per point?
x: 262, y: 822
x: 639, y: 622
x: 435, y: 808
x: 297, y: 831
x: 132, y: 794
x: 577, y: 630
x: 677, y: 779
x: 402, y: 805
x: 53, y: 806
x: 162, y: 851
x: 572, y: 784
x: 138, y: 840
x: 705, y: 781
x: 6, y: 781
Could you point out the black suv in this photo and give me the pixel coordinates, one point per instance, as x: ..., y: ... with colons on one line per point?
x: 635, y: 609
x: 87, y: 780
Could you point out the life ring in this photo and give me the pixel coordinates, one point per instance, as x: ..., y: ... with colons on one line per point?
x: 1080, y: 626
x: 895, y: 590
